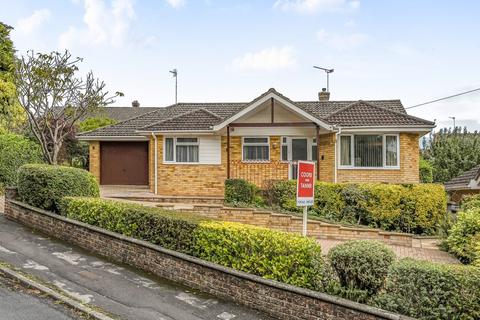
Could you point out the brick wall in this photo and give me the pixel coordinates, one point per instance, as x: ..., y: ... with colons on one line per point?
x: 94, y: 155
x: 280, y: 301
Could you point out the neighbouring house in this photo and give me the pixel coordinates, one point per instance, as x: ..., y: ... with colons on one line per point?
x: 467, y: 183
x: 119, y: 113
x: 191, y: 148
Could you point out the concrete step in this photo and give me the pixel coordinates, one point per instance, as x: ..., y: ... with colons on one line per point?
x: 174, y: 199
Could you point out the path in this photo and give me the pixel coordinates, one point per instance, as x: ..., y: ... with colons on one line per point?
x: 115, y: 288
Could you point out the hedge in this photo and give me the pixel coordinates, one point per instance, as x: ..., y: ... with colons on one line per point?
x: 16, y: 150
x: 239, y: 191
x: 471, y: 202
x: 361, y: 264
x: 43, y: 186
x: 464, y: 238
x: 426, y: 171
x: 417, y: 208
x: 271, y: 254
x: 427, y: 290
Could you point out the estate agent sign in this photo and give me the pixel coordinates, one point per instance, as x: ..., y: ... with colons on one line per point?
x: 305, y: 188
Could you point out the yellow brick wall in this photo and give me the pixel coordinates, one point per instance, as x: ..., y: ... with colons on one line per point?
x: 408, y: 172
x: 327, y: 157
x: 94, y: 159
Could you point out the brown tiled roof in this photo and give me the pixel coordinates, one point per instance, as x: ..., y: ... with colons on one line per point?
x: 119, y: 113
x: 202, y: 116
x: 462, y: 181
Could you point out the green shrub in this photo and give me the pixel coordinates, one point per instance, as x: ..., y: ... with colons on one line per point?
x: 471, y: 202
x: 271, y: 254
x: 426, y: 171
x: 239, y: 191
x: 361, y: 264
x: 282, y: 193
x: 171, y: 230
x: 427, y: 290
x: 16, y: 150
x: 414, y: 208
x: 464, y: 236
x: 43, y: 186
x: 95, y: 123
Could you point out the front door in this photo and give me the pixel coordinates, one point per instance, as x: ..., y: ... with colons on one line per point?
x: 299, y: 152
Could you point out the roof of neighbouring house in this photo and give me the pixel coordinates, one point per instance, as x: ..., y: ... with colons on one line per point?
x: 203, y: 116
x: 464, y: 181
x: 119, y: 113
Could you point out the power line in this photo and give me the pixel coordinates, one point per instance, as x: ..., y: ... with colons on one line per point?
x: 452, y: 96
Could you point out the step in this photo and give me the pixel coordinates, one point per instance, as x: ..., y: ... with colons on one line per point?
x: 175, y: 199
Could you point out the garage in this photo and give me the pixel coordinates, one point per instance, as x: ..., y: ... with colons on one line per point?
x: 124, y: 163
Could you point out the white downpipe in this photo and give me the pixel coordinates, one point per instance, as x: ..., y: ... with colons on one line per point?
x: 335, y: 167
x: 155, y: 157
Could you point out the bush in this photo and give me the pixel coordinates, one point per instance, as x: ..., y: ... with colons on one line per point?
x: 361, y: 264
x: 471, y: 202
x: 427, y: 290
x: 43, y: 186
x: 464, y: 238
x: 418, y: 208
x: 239, y: 191
x: 171, y: 230
x: 271, y: 254
x: 95, y: 123
x: 426, y: 171
x: 16, y: 150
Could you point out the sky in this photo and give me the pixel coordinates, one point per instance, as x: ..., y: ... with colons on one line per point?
x: 234, y: 50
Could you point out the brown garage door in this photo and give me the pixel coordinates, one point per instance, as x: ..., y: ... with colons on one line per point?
x: 124, y: 163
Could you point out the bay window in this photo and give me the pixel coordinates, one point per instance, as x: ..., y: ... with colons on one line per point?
x: 256, y: 149
x: 182, y: 150
x: 369, y: 151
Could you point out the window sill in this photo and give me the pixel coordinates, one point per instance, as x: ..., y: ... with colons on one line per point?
x: 255, y: 161
x: 165, y: 162
x: 369, y: 168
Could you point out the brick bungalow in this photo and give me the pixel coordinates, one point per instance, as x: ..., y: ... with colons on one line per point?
x: 191, y: 148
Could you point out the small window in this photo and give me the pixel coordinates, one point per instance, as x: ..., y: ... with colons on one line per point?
x: 346, y: 150
x: 284, y: 149
x: 256, y: 149
x: 314, y: 149
x: 181, y: 150
x: 391, y: 151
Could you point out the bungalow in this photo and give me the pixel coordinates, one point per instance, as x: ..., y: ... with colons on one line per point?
x: 191, y: 148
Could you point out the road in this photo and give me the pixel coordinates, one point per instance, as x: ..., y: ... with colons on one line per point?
x: 117, y: 289
x: 19, y: 303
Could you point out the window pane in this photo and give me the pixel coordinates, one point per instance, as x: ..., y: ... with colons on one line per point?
x: 391, y: 150
x: 314, y: 153
x: 284, y: 153
x: 187, y: 140
x: 345, y: 151
x: 284, y: 140
x: 187, y: 153
x: 255, y: 153
x: 255, y: 140
x: 368, y: 151
x: 168, y: 149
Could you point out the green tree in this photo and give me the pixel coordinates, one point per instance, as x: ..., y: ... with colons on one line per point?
x: 452, y: 152
x: 95, y: 123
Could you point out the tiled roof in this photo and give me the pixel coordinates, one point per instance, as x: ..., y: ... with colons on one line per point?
x: 462, y: 181
x: 367, y: 114
x: 120, y: 113
x: 202, y: 116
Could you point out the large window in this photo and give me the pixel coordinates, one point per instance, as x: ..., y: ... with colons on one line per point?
x: 181, y: 150
x: 369, y: 151
x: 256, y: 149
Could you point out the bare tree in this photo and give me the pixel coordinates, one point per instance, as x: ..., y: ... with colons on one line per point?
x: 55, y: 97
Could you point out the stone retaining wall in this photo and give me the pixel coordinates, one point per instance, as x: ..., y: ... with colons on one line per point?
x: 279, y: 300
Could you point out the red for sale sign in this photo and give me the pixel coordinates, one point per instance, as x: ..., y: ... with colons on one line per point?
x: 305, y: 183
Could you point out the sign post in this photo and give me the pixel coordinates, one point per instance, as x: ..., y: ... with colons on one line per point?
x: 305, y: 188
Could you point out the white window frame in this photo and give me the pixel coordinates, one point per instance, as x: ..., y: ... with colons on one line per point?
x: 384, y: 151
x: 288, y: 143
x: 257, y: 144
x: 175, y: 143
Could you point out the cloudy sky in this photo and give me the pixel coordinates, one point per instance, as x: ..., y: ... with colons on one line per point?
x: 233, y: 50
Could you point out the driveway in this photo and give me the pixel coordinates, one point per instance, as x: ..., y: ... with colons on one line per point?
x: 115, y: 288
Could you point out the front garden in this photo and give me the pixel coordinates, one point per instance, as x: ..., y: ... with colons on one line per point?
x: 363, y: 271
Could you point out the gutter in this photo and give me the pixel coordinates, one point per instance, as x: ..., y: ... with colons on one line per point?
x: 155, y: 170
x: 335, y: 166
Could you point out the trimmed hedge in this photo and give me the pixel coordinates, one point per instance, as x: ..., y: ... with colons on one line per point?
x: 417, y: 208
x: 43, y: 186
x: 271, y: 254
x: 15, y: 151
x: 361, y: 264
x: 239, y: 191
x: 464, y: 238
x: 428, y: 290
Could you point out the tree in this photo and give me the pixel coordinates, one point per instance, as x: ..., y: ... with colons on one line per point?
x: 11, y: 114
x: 95, y: 123
x: 55, y: 98
x: 452, y: 152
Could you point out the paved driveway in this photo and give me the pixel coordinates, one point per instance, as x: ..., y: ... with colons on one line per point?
x: 115, y: 288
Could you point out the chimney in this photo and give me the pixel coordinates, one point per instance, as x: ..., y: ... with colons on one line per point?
x: 135, y: 104
x: 324, y: 95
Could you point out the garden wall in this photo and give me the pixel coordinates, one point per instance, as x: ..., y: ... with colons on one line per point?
x: 276, y: 299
